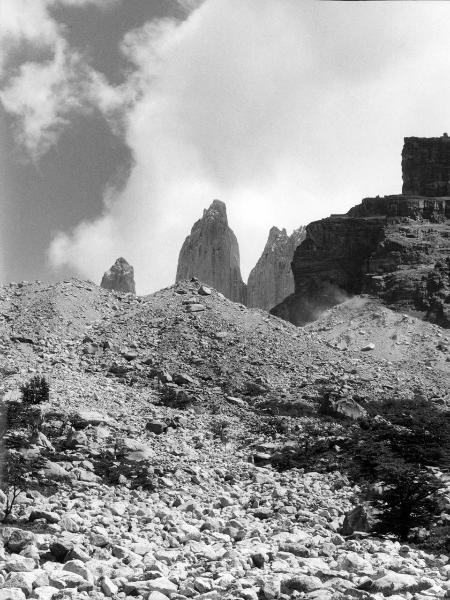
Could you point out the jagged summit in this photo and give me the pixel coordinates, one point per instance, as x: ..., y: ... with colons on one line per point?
x: 271, y: 280
x: 395, y: 247
x: 120, y: 277
x: 217, y: 210
x: 211, y: 253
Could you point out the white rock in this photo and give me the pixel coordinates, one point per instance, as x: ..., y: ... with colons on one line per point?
x: 109, y: 587
x: 12, y: 594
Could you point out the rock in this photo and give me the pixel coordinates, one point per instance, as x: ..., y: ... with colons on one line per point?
x: 342, y: 407
x: 211, y: 254
x: 12, y: 594
x: 162, y: 585
x: 271, y: 279
x: 78, y: 567
x: 156, y: 426
x: 394, y: 582
x: 301, y: 583
x: 45, y: 592
x: 203, y: 290
x: 109, y: 588
x: 54, y: 472
x: 368, y: 347
x: 354, y: 563
x: 60, y: 549
x: 23, y: 581
x: 50, y: 517
x: 120, y: 277
x: 395, y: 247
x: 157, y: 596
x: 84, y: 418
x: 18, y: 563
x: 16, y: 539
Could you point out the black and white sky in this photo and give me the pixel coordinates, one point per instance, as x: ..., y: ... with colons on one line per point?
x: 120, y: 120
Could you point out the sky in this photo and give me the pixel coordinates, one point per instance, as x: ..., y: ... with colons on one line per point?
x: 121, y: 120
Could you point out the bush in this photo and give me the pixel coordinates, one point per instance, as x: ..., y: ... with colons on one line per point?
x: 393, y: 449
x: 407, y: 498
x: 36, y: 391
x: 16, y: 477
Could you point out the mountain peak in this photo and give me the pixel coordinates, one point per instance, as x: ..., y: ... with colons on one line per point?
x: 120, y: 277
x: 211, y: 253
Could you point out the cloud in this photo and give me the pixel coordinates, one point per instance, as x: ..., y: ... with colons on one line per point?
x: 42, y: 95
x: 286, y: 110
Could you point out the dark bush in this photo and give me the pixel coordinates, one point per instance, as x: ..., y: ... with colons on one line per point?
x: 35, y: 391
x: 407, y: 498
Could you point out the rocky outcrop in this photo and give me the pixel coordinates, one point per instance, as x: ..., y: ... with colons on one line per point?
x: 395, y: 247
x: 271, y: 280
x: 211, y: 253
x: 426, y: 166
x: 120, y: 277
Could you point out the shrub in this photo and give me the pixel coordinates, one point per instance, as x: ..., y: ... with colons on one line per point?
x: 16, y: 477
x: 220, y: 428
x: 35, y: 391
x: 407, y: 499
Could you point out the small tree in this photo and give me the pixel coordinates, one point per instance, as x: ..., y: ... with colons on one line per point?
x: 14, y: 479
x: 35, y: 391
x: 407, y: 498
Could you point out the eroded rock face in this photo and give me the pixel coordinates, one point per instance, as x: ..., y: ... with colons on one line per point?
x: 211, y: 253
x: 120, y: 277
x: 271, y: 280
x: 426, y: 166
x: 396, y: 247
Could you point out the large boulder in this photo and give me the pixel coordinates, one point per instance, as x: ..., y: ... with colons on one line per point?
x: 211, y: 253
x: 120, y: 277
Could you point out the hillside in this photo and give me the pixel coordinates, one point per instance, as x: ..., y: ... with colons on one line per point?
x: 158, y: 450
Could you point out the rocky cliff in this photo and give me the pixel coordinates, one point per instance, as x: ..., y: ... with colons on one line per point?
x: 395, y: 247
x: 426, y: 166
x: 120, y: 277
x: 271, y: 280
x: 211, y: 253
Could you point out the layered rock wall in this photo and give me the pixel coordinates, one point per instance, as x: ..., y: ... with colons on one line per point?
x: 395, y: 247
x: 426, y: 166
x: 271, y: 280
x: 211, y: 253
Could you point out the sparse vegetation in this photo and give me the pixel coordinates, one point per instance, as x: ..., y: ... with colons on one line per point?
x: 407, y: 498
x: 35, y: 391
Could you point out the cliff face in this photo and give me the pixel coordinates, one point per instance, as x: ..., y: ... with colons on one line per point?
x: 211, y: 253
x: 120, y: 277
x: 271, y: 280
x: 395, y: 247
x: 426, y: 166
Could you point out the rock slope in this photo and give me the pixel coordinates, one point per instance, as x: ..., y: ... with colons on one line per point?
x: 396, y: 247
x: 147, y: 494
x: 120, y: 277
x: 211, y: 253
x: 271, y: 280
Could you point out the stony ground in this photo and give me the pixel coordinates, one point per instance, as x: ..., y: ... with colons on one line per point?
x: 155, y: 433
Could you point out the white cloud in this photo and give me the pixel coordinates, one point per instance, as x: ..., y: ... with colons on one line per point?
x: 286, y: 110
x: 42, y: 95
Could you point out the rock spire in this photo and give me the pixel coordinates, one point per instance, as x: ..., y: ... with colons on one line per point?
x: 120, y: 277
x: 211, y: 253
x: 271, y: 279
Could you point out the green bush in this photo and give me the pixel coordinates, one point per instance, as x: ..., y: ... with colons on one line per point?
x: 35, y: 391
